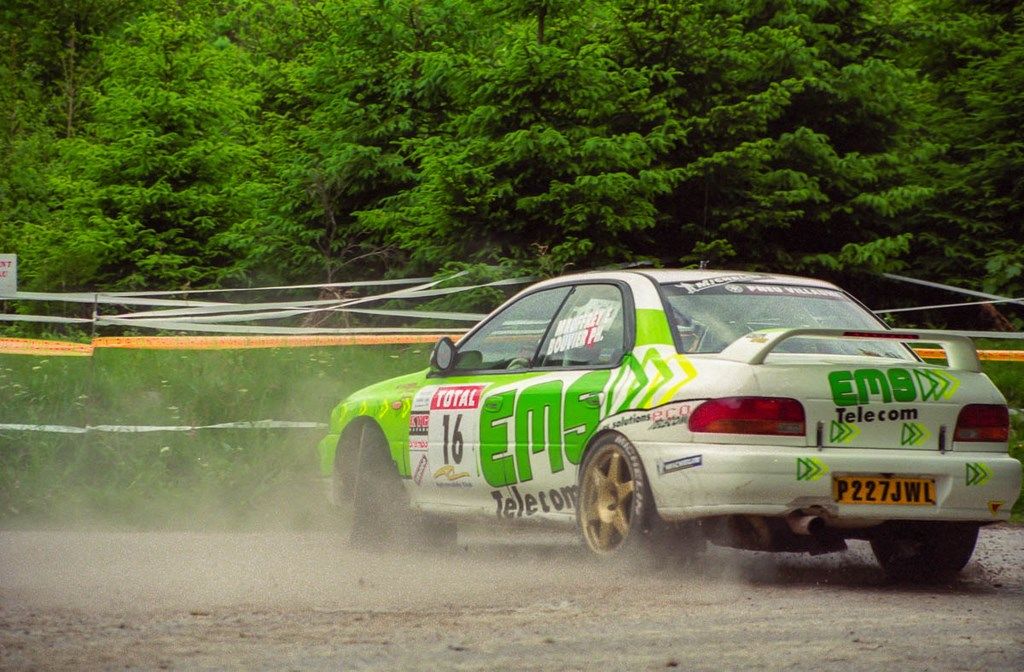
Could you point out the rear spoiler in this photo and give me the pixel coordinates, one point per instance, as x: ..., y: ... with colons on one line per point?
x: 757, y: 345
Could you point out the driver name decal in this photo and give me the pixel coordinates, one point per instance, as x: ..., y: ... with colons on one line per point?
x: 583, y: 330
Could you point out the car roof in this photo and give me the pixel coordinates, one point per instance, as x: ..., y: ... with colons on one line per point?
x: 664, y: 276
x: 667, y: 276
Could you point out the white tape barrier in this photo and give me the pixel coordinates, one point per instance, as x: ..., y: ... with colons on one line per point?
x: 248, y: 424
x: 998, y: 335
x: 946, y: 305
x: 139, y: 298
x: 214, y: 317
x: 256, y: 330
x: 951, y: 288
x: 4, y: 317
x: 324, y: 285
x: 239, y: 313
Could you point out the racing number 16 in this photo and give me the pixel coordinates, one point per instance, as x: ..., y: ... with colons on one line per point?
x: 456, y: 439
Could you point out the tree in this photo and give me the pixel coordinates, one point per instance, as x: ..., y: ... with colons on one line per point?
x: 973, y: 54
x: 165, y: 167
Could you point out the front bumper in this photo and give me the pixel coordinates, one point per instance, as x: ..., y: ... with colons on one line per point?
x: 698, y: 480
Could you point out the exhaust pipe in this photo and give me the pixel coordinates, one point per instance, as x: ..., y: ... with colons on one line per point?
x: 806, y: 525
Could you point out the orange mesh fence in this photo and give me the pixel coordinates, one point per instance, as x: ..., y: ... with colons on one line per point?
x: 239, y: 342
x: 31, y: 346
x: 990, y: 355
x: 27, y: 346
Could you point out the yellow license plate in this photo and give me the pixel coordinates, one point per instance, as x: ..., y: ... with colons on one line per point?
x: 883, y: 490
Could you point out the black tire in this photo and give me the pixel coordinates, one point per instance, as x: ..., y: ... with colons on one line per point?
x: 924, y: 551
x: 381, y: 515
x: 615, y: 504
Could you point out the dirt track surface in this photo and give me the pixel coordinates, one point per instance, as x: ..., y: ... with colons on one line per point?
x: 304, y: 601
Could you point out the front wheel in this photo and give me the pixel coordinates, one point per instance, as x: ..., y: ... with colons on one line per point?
x: 924, y: 551
x: 381, y: 515
x: 615, y: 499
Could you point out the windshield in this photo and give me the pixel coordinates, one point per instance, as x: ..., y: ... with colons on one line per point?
x: 706, y: 319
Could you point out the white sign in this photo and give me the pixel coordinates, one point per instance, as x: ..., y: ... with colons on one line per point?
x: 8, y: 274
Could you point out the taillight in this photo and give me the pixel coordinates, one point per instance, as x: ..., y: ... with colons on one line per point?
x: 983, y: 422
x: 749, y: 415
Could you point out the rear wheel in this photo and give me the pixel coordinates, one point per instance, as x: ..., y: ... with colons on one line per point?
x: 924, y: 551
x: 615, y: 500
x: 381, y: 515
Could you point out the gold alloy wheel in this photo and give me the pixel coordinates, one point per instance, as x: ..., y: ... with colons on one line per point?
x: 607, y: 500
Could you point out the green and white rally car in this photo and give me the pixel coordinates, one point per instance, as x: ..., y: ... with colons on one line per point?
x: 663, y: 408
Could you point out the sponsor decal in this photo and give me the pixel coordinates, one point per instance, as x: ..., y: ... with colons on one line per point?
x: 421, y: 402
x: 994, y: 505
x: 842, y: 432
x: 448, y: 471
x: 418, y: 444
x: 421, y: 469
x: 792, y: 290
x: 669, y: 416
x: 456, y: 398
x: 702, y: 285
x: 913, y: 434
x: 977, y: 473
x: 680, y: 463
x: 419, y: 424
x: 628, y: 419
x: 518, y: 504
x: 810, y: 469
x: 886, y: 414
x: 862, y: 386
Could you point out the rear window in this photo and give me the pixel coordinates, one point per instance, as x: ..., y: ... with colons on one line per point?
x: 705, y: 319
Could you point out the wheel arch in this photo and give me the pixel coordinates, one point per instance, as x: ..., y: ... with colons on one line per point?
x: 346, y: 457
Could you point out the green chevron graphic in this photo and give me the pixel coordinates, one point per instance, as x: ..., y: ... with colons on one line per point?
x: 810, y: 469
x: 936, y: 385
x: 978, y: 473
x: 842, y: 432
x: 913, y: 434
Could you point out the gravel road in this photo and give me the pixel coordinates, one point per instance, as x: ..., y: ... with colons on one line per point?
x: 74, y: 600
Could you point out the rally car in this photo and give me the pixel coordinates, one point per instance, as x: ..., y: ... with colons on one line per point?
x: 663, y: 408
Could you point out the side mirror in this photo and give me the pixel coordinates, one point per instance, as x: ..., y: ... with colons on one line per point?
x: 442, y: 357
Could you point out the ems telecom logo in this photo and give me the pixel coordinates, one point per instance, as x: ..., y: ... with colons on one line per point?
x: 865, y: 386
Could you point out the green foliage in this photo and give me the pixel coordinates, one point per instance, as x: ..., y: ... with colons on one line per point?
x: 154, y: 144
x: 973, y: 57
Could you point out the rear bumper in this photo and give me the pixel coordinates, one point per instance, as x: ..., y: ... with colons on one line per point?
x: 699, y: 480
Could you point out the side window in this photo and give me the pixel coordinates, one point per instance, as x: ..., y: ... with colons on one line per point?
x: 509, y: 340
x: 589, y: 329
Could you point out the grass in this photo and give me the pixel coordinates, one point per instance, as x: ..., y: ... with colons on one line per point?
x: 234, y: 478
x: 230, y: 478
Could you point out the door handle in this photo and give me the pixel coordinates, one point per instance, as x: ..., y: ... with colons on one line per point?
x: 494, y: 404
x: 592, y: 399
